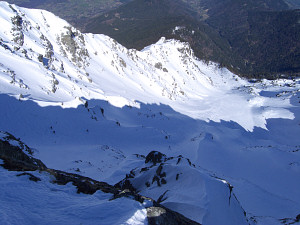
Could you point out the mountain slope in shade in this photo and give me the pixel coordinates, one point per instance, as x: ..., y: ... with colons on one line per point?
x: 28, y: 202
x: 108, y: 204
x: 87, y: 105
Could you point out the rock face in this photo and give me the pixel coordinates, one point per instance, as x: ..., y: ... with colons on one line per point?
x: 30, y: 176
x: 12, y: 151
x: 84, y: 184
x: 155, y: 157
x: 18, y: 157
x: 161, y: 215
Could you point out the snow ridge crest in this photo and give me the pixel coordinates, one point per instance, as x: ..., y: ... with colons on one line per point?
x: 62, y: 66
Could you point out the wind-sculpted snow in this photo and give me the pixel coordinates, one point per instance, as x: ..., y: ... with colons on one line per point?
x: 43, y: 58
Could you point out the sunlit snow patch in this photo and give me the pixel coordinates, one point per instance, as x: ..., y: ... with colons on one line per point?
x: 87, y: 66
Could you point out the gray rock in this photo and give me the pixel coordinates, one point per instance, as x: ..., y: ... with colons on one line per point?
x: 159, y: 215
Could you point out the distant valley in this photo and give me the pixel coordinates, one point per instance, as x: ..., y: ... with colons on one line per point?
x: 257, y: 39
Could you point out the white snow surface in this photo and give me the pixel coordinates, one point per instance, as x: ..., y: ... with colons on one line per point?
x: 87, y: 105
x: 211, y: 201
x: 25, y: 202
x: 89, y: 66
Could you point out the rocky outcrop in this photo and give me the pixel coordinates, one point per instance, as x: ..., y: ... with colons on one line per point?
x: 290, y: 221
x: 30, y: 176
x: 18, y: 157
x: 169, y: 179
x: 83, y: 184
x: 161, y: 215
x: 155, y: 157
x: 154, y: 160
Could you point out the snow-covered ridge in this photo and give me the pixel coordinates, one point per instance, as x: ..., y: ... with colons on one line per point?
x: 172, y: 180
x: 44, y: 59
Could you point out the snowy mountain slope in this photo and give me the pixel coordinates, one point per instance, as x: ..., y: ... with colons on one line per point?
x: 27, y: 202
x: 63, y: 66
x: 84, y: 141
x: 171, y: 180
x: 115, y: 206
x: 70, y: 92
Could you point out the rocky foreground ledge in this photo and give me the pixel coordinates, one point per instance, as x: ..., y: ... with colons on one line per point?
x: 17, y: 156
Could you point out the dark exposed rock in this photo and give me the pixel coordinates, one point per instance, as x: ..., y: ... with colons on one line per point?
x: 6, y: 47
x: 159, y: 177
x: 159, y: 169
x: 162, y: 197
x: 156, y: 178
x: 178, y: 161
x: 144, y: 169
x: 125, y: 184
x: 84, y: 184
x: 159, y: 215
x: 155, y: 157
x: 31, y: 177
x: 290, y: 221
x: 17, y: 20
x: 189, y: 161
x: 163, y: 174
x: 15, y: 159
